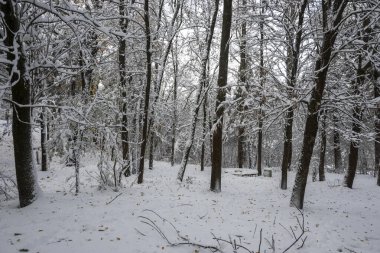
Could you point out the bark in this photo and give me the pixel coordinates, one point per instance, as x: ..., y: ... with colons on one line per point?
x: 175, y: 118
x: 377, y: 124
x: 311, y: 126
x: 21, y: 95
x: 43, y: 126
x: 292, y: 70
x: 358, y: 110
x: 217, y: 137
x: 338, y: 164
x: 322, y: 151
x: 123, y: 22
x: 204, y: 134
x: 261, y: 75
x: 356, y: 129
x: 242, y: 83
x: 147, y: 91
x: 201, y: 94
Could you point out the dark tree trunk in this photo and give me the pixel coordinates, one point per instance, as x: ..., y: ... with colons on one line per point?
x: 377, y: 124
x: 21, y: 95
x: 147, y: 91
x: 311, y: 126
x: 174, y: 124
x: 242, y: 84
x: 204, y: 133
x: 44, y: 158
x: 261, y: 112
x: 217, y: 136
x: 123, y: 22
x: 322, y: 151
x: 358, y: 110
x: 201, y: 94
x: 356, y: 129
x: 338, y: 164
x: 292, y: 69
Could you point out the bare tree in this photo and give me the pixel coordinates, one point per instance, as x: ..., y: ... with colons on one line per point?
x: 201, y: 93
x: 321, y: 69
x: 217, y: 136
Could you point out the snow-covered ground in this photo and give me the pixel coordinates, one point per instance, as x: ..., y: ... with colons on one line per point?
x: 337, y: 219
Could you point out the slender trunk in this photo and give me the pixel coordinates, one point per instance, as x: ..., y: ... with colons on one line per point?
x: 357, y: 111
x: 217, y: 137
x: 311, y: 126
x: 124, y: 22
x: 44, y: 160
x: 174, y: 124
x: 377, y: 125
x: 147, y: 91
x: 354, y: 144
x: 201, y: 94
x: 292, y: 70
x: 322, y: 152
x: 159, y: 77
x: 261, y: 112
x: 204, y: 134
x: 338, y: 164
x: 242, y: 84
x: 21, y: 95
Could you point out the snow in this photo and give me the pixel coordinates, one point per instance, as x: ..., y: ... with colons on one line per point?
x: 337, y: 219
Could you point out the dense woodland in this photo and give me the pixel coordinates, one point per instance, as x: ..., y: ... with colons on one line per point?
x: 234, y: 83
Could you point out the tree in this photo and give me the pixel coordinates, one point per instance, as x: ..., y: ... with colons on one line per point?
x: 217, y: 135
x: 147, y: 91
x: 321, y: 69
x: 357, y: 113
x: 322, y: 151
x: 21, y: 99
x: 292, y: 59
x: 201, y: 93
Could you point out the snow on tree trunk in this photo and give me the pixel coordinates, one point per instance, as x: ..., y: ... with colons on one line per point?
x: 21, y: 95
x: 292, y: 70
x: 201, y: 94
x: 338, y: 164
x: 311, y: 126
x: 322, y: 152
x: 147, y: 91
x: 217, y: 135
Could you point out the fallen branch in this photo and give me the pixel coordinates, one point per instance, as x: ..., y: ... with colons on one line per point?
x: 114, y: 199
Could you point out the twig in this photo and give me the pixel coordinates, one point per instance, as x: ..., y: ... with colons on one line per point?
x: 114, y: 198
x: 261, y: 236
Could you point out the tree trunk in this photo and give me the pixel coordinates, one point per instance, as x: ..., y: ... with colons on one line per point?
x: 204, y: 133
x: 240, y: 88
x: 292, y: 70
x: 44, y: 158
x: 217, y: 137
x: 261, y: 112
x: 377, y: 124
x: 338, y: 164
x: 357, y: 111
x: 201, y: 94
x: 175, y: 119
x: 21, y: 95
x: 311, y: 126
x: 123, y: 22
x: 322, y: 152
x: 147, y: 91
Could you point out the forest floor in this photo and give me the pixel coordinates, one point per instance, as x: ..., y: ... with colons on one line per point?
x: 337, y: 219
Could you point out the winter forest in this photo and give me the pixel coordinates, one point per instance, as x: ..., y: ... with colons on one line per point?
x: 190, y: 126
